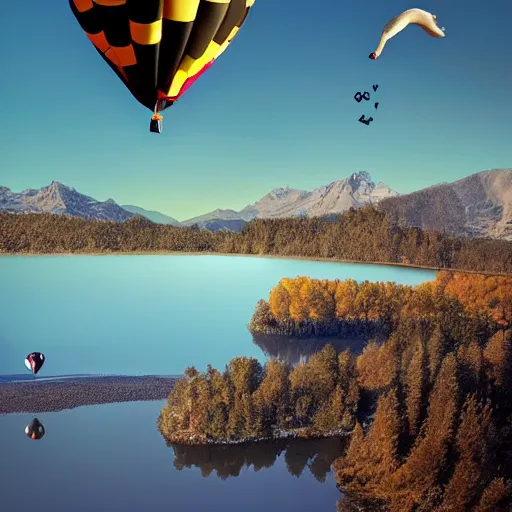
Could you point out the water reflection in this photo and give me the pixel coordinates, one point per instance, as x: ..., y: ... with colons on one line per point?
x: 298, y: 350
x: 35, y: 429
x: 229, y: 460
x: 80, y: 472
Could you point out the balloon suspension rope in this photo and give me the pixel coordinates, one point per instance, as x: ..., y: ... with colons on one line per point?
x: 156, y: 115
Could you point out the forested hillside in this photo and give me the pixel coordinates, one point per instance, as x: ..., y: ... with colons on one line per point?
x: 428, y: 406
x: 363, y: 235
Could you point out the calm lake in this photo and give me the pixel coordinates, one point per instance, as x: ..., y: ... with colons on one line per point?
x: 150, y: 315
x: 142, y: 315
x: 112, y: 458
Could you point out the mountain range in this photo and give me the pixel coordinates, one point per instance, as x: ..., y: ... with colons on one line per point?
x: 355, y: 191
x: 157, y: 217
x: 58, y: 198
x: 478, y: 205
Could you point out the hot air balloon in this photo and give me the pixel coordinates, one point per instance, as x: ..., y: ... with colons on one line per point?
x: 159, y: 48
x: 419, y: 17
x: 34, y: 361
x: 35, y: 430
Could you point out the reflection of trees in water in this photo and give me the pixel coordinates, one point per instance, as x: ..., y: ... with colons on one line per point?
x: 228, y: 460
x: 294, y: 350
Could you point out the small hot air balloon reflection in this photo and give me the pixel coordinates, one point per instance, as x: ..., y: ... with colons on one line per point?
x: 35, y: 430
x: 34, y: 361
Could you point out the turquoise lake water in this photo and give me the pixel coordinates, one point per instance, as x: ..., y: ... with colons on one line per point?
x: 142, y: 315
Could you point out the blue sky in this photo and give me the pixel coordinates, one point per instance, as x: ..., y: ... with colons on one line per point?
x: 276, y: 109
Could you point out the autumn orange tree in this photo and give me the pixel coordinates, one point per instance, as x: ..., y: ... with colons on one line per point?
x: 310, y: 307
x: 247, y: 401
x: 441, y: 437
x: 480, y: 293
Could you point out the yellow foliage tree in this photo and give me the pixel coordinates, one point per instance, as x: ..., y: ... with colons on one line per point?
x: 280, y: 301
x: 345, y: 296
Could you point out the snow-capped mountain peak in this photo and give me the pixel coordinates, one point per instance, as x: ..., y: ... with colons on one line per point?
x: 280, y: 192
x: 59, y: 198
x: 356, y: 190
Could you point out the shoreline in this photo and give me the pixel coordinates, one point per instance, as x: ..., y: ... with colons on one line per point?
x: 282, y: 435
x: 267, y: 256
x: 53, y: 395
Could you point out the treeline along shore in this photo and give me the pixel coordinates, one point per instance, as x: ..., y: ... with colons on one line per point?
x: 427, y: 406
x: 311, y: 308
x: 358, y: 235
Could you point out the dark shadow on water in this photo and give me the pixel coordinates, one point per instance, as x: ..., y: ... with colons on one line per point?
x: 229, y: 460
x: 298, y: 350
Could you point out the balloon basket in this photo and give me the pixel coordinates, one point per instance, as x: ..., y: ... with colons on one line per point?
x: 156, y: 126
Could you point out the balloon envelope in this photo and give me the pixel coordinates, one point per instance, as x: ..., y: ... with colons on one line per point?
x: 34, y: 361
x: 158, y: 48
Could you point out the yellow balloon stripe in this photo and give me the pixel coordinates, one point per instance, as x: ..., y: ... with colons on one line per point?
x: 190, y: 67
x: 180, y: 10
x: 146, y: 33
x: 207, y: 56
x: 226, y: 43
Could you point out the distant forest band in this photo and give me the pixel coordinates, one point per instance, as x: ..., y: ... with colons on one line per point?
x: 364, y: 235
